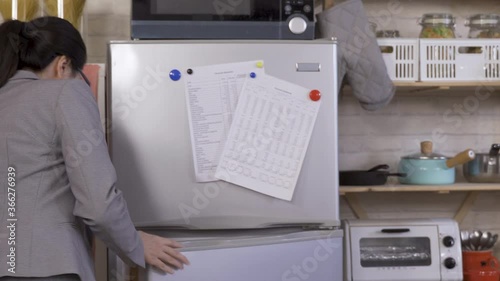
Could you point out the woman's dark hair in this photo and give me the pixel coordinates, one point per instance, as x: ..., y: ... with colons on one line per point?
x: 35, y: 44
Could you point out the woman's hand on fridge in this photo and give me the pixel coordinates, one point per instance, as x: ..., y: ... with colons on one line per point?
x: 162, y: 253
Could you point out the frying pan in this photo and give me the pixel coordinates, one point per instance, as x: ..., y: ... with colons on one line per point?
x: 374, y: 176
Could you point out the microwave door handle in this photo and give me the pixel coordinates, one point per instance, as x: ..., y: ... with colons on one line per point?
x: 395, y: 230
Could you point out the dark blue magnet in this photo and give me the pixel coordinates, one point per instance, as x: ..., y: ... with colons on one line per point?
x: 253, y: 75
x: 175, y: 75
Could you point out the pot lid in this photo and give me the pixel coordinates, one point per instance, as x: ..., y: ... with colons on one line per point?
x: 426, y: 153
x: 480, y: 20
x: 437, y: 18
x: 422, y: 156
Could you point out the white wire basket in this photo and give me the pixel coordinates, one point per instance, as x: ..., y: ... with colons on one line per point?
x: 401, y: 58
x: 459, y: 59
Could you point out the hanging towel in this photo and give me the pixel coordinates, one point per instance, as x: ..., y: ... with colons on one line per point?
x: 359, y: 56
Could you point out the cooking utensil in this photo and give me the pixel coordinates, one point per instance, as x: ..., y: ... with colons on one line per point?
x: 485, y: 168
x: 484, y: 240
x: 428, y: 168
x: 492, y: 241
x: 375, y: 176
x: 475, y: 238
x: 464, y: 238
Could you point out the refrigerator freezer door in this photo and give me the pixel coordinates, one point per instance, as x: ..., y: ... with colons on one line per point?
x: 150, y: 141
x: 313, y: 255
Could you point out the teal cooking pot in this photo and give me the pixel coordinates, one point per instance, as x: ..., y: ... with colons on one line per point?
x: 428, y: 168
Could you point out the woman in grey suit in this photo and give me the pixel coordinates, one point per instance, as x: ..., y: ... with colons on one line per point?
x: 56, y: 177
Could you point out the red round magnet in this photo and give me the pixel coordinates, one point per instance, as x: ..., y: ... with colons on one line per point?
x: 315, y: 95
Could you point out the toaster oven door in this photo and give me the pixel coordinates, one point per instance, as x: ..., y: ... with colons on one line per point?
x: 395, y: 253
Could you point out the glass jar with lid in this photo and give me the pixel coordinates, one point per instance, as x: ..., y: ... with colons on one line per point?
x: 483, y: 26
x: 437, y: 26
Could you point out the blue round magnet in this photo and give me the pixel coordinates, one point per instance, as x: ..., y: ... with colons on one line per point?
x: 253, y: 75
x: 175, y: 75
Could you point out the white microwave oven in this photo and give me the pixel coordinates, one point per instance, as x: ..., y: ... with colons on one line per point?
x: 402, y: 250
x: 223, y: 19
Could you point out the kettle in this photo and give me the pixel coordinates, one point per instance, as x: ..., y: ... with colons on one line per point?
x: 485, y: 168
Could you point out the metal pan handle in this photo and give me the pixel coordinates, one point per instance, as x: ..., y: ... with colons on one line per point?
x: 379, y: 167
x: 495, y: 148
x: 395, y: 230
x: 401, y: 175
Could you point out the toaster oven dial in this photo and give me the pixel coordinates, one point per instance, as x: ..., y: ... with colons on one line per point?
x: 450, y: 263
x: 448, y: 241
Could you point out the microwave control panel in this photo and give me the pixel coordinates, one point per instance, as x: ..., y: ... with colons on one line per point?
x: 303, y: 7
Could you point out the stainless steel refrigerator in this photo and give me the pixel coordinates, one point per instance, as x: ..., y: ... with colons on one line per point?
x: 228, y: 232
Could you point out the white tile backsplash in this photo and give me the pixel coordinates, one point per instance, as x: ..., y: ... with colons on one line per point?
x: 377, y: 133
x: 109, y: 25
x: 122, y: 7
x: 100, y: 7
x: 98, y: 40
x: 417, y: 105
x: 106, y: 20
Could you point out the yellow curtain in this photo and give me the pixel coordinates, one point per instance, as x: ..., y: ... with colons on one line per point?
x: 26, y: 9
x: 30, y: 9
x: 73, y: 10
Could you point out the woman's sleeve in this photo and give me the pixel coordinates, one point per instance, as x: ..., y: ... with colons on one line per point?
x: 91, y: 174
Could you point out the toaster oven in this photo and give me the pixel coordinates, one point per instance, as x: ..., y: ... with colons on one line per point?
x: 402, y: 250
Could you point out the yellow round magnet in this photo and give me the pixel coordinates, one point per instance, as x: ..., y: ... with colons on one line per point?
x: 260, y: 64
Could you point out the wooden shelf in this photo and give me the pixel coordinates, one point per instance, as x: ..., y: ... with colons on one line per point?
x: 415, y: 87
x: 421, y: 188
x: 446, y: 85
x: 418, y: 87
x: 472, y: 189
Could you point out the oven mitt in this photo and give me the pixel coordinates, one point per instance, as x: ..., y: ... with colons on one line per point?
x: 359, y: 56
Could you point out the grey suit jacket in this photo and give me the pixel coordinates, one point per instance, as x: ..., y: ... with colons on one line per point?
x: 51, y: 134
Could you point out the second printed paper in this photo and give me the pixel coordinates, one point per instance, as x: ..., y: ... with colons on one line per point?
x: 268, y: 139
